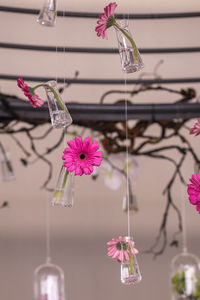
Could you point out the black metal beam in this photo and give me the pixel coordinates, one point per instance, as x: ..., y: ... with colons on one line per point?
x: 96, y: 15
x: 100, y: 112
x: 95, y: 50
x: 103, y: 81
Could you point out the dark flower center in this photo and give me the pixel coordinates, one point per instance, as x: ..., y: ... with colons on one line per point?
x: 82, y: 156
x: 121, y: 245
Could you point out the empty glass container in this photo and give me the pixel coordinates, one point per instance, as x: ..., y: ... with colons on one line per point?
x: 6, y: 165
x: 49, y: 282
x: 47, y: 15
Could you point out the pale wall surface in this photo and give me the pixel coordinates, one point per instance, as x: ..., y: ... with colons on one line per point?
x: 79, y: 236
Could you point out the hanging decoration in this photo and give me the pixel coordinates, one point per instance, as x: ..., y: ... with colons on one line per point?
x: 174, y: 132
x: 49, y: 282
x: 194, y: 188
x: 122, y: 249
x: 6, y: 165
x: 185, y: 273
x: 59, y: 114
x: 131, y: 60
x: 194, y: 191
x: 113, y: 170
x: 47, y: 15
x: 29, y: 92
x: 81, y: 156
x: 64, y: 192
x: 132, y: 206
x: 185, y: 277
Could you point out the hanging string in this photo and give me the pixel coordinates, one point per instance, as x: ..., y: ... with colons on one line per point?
x: 48, y: 254
x: 127, y: 156
x: 64, y: 75
x: 127, y: 146
x: 183, y: 214
x: 56, y: 55
x: 64, y: 49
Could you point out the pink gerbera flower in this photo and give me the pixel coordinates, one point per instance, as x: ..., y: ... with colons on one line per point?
x: 81, y: 156
x: 34, y: 99
x: 106, y: 20
x: 198, y: 208
x: 196, y: 128
x: 22, y: 85
x: 118, y: 248
x: 194, y: 190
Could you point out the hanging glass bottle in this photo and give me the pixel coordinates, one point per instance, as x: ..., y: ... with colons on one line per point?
x: 185, y: 277
x: 185, y: 274
x: 59, y: 114
x: 64, y: 192
x: 47, y: 16
x: 131, y: 60
x: 130, y: 205
x: 6, y: 165
x: 49, y: 282
x: 130, y: 272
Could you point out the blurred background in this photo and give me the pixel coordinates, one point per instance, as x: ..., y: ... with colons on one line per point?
x: 78, y: 236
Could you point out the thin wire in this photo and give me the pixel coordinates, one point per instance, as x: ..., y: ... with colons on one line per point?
x: 183, y: 214
x: 48, y: 254
x: 56, y: 56
x: 127, y: 147
x: 64, y: 49
x: 127, y: 158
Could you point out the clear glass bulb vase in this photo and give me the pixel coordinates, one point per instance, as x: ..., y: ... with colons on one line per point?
x: 47, y: 15
x: 59, y: 114
x: 130, y: 272
x: 64, y: 193
x: 131, y: 60
x: 6, y: 165
x: 49, y: 282
x: 185, y: 277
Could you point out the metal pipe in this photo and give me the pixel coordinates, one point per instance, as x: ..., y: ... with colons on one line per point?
x: 96, y: 15
x: 104, y: 81
x: 101, y: 112
x: 95, y: 50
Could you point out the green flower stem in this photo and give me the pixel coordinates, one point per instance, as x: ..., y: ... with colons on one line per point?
x: 53, y: 91
x: 58, y: 193
x: 131, y: 259
x: 54, y: 3
x: 129, y: 38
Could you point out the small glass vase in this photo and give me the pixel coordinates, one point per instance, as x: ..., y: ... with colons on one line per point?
x: 47, y: 15
x: 185, y: 277
x: 49, y: 282
x: 131, y: 62
x: 64, y: 193
x: 59, y: 114
x: 130, y: 272
x: 6, y: 165
x: 132, y: 205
